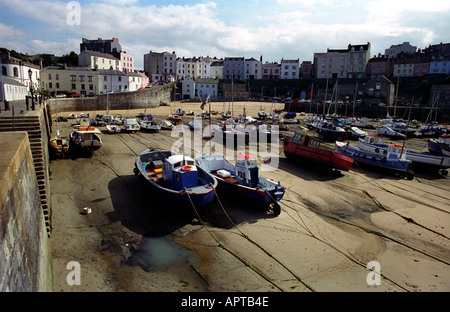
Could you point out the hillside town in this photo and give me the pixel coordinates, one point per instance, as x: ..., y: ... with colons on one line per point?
x: 103, y: 66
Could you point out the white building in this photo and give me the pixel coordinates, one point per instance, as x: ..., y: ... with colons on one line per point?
x: 290, y: 69
x: 134, y: 81
x: 200, y: 88
x: 12, y: 90
x: 20, y: 71
x: 207, y: 86
x: 112, y: 81
x: 216, y: 70
x: 252, y: 69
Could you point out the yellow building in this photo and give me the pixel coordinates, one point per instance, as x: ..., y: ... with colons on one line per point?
x: 70, y: 79
x: 98, y: 60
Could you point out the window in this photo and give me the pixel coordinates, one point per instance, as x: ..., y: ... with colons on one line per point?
x: 50, y: 85
x: 57, y: 76
x: 73, y: 78
x: 105, y: 78
x: 50, y: 76
x: 57, y: 85
x: 74, y: 86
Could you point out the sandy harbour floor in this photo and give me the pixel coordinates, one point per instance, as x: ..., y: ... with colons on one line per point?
x: 332, y: 225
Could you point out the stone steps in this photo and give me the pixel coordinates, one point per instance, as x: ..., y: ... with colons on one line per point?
x: 32, y: 126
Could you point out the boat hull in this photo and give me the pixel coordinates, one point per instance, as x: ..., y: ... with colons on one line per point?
x: 429, y: 160
x: 326, y: 157
x: 396, y: 166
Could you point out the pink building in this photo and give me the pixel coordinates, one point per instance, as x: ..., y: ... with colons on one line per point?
x: 271, y: 71
x: 127, y: 62
x: 421, y: 68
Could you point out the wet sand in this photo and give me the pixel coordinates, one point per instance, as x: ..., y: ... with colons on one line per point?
x: 330, y: 227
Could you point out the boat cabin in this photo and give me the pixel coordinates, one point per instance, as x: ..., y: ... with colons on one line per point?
x: 180, y: 172
x: 306, y: 140
x: 247, y: 172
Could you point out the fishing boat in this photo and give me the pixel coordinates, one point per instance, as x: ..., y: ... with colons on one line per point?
x: 176, y: 179
x: 394, y: 160
x: 243, y: 180
x: 149, y: 125
x: 85, y: 138
x: 306, y: 147
x: 373, y: 143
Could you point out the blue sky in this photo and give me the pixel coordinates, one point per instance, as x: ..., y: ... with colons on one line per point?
x: 274, y: 29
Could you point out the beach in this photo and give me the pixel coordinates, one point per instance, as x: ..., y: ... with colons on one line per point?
x: 349, y: 231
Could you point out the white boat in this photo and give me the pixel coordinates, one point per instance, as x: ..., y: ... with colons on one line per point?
x: 389, y: 132
x: 131, y: 125
x: 149, y: 125
x: 113, y: 128
x: 429, y: 160
x: 166, y: 125
x: 194, y: 125
x: 86, y: 138
x: 59, y: 144
x: 358, y: 133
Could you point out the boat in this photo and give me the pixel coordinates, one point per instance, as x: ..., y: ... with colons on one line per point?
x: 329, y: 131
x: 440, y: 145
x: 394, y: 160
x: 131, y: 125
x: 149, y: 125
x: 373, y: 143
x: 59, y: 144
x: 306, y: 147
x: 180, y: 112
x: 243, y: 180
x: 194, y: 125
x: 166, y: 125
x: 428, y: 160
x: 176, y: 179
x: 390, y: 133
x: 357, y: 133
x: 175, y: 118
x: 113, y: 128
x: 85, y: 138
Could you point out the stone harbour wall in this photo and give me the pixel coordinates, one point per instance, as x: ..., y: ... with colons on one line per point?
x: 25, y: 260
x: 151, y: 97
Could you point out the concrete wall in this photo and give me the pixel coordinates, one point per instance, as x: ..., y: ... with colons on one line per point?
x: 146, y: 98
x: 25, y: 261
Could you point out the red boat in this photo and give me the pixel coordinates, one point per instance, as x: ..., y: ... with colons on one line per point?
x: 175, y: 118
x: 305, y: 147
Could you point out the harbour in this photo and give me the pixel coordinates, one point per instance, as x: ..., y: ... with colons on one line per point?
x: 332, y: 224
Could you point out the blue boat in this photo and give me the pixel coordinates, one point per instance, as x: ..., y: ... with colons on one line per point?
x: 176, y: 179
x: 243, y: 180
x: 394, y: 160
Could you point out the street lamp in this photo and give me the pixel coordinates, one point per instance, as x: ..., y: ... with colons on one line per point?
x: 30, y: 74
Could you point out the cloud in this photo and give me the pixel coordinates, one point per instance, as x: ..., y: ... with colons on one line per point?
x: 285, y: 29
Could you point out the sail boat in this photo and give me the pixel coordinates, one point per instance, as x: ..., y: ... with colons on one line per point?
x: 59, y: 145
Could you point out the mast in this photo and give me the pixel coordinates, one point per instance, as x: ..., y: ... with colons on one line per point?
x: 396, y: 97
x: 354, y: 99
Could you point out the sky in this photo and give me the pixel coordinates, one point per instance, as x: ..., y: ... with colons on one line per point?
x: 273, y: 29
